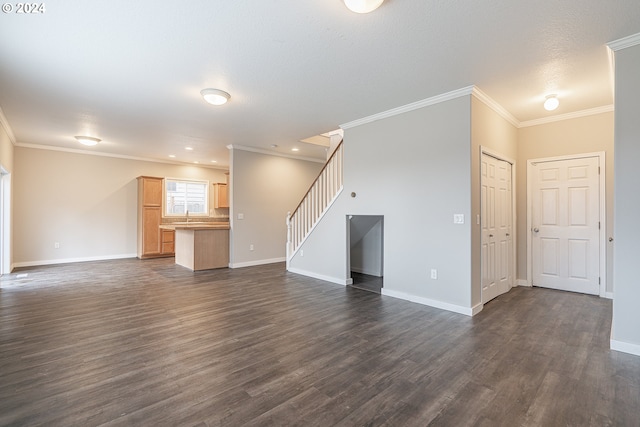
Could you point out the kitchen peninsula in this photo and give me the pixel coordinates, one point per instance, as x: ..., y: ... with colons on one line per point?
x: 201, y: 246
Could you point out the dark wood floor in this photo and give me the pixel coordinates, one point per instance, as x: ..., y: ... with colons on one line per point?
x: 147, y: 343
x: 367, y: 282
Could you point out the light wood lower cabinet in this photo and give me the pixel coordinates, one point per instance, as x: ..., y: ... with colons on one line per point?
x: 168, y: 242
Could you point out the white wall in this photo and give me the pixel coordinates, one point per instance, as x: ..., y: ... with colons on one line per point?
x: 625, y: 334
x: 263, y: 189
x: 425, y: 156
x: 86, y: 203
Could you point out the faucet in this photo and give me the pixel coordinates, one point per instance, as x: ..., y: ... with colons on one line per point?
x: 187, y: 215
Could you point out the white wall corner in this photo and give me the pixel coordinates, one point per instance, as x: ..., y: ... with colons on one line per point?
x: 522, y: 282
x: 330, y: 279
x: 467, y: 311
x: 608, y: 295
x: 625, y: 347
x: 499, y: 109
x: 5, y: 124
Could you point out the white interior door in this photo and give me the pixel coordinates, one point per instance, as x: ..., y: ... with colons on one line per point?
x: 496, y: 205
x: 565, y: 221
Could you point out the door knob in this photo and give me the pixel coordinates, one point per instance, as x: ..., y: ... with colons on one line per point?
x: 535, y: 230
x: 507, y: 234
x: 490, y: 235
x: 611, y: 239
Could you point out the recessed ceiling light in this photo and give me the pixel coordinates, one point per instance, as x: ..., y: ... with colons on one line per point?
x: 188, y: 148
x: 87, y: 140
x: 172, y: 156
x: 215, y: 96
x: 214, y: 161
x: 551, y: 103
x: 274, y: 145
x: 363, y: 6
x: 295, y: 149
x: 196, y: 162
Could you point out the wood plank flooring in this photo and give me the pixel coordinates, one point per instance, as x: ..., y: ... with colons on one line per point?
x: 130, y: 342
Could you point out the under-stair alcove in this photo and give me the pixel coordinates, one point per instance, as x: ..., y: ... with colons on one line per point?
x: 365, y: 257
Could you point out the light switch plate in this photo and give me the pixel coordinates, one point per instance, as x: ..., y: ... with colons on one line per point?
x: 458, y: 218
x: 240, y: 216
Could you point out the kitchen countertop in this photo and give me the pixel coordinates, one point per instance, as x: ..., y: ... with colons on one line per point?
x: 196, y: 226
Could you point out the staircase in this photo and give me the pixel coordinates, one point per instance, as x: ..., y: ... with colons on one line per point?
x: 321, y: 195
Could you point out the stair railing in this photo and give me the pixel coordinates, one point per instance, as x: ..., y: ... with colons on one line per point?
x: 321, y: 195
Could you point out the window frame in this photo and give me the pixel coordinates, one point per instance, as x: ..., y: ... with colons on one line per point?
x: 165, y: 205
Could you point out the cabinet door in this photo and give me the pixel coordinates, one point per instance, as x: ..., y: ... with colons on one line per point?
x: 168, y: 242
x: 151, y: 217
x: 221, y: 199
x: 152, y: 192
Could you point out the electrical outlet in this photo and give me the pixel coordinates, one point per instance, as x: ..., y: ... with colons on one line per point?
x: 56, y: 245
x: 458, y: 218
x: 434, y: 273
x: 240, y: 216
x: 250, y: 247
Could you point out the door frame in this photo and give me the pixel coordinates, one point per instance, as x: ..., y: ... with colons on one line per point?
x: 602, y: 209
x: 514, y: 222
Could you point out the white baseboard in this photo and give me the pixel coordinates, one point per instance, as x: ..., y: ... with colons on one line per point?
x: 258, y: 262
x: 625, y: 347
x: 608, y: 295
x: 70, y: 260
x: 335, y: 280
x: 522, y: 282
x: 467, y: 311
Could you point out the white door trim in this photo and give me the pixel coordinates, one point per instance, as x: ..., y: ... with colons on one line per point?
x: 514, y: 222
x: 603, y: 214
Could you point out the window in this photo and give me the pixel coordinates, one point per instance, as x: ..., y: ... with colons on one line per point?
x: 183, y: 195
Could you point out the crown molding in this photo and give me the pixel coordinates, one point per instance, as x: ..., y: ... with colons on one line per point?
x: 567, y: 116
x: 273, y: 153
x: 489, y: 102
x: 7, y: 127
x: 410, y: 107
x: 115, y: 156
x: 624, y: 42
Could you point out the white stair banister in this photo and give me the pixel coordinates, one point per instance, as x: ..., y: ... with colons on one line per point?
x: 320, y: 196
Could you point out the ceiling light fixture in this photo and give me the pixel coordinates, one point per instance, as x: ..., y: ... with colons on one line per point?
x: 363, y: 6
x: 173, y: 156
x: 551, y: 103
x: 87, y: 140
x: 188, y: 148
x: 215, y: 96
x: 295, y: 149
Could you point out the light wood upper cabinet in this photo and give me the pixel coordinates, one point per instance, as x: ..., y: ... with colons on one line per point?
x: 220, y: 195
x: 152, y: 242
x: 151, y: 191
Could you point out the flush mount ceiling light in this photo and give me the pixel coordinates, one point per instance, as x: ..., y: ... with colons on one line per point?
x: 215, y: 96
x: 363, y: 6
x: 551, y: 103
x: 87, y: 140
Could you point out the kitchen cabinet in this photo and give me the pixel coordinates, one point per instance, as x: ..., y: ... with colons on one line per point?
x: 168, y: 242
x: 220, y: 195
x: 151, y: 240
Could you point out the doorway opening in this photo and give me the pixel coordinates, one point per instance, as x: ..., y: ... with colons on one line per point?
x: 5, y: 222
x: 365, y: 254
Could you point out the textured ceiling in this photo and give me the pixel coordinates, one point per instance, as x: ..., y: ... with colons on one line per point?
x: 130, y: 72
